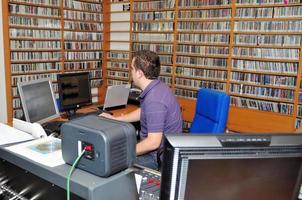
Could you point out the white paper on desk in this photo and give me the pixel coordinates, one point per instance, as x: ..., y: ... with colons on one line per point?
x: 46, y: 151
x: 138, y: 181
x: 10, y: 135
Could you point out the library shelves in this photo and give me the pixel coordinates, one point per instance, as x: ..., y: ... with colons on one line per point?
x: 249, y: 49
x: 259, y: 47
x: 48, y: 37
x: 119, y: 53
x: 266, y: 63
x: 153, y: 25
x: 83, y: 39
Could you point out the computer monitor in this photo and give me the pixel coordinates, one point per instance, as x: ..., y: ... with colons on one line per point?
x: 74, y: 90
x: 38, y: 101
x: 232, y: 167
x: 116, y: 96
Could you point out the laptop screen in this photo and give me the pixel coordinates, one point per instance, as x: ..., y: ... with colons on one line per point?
x: 117, y: 95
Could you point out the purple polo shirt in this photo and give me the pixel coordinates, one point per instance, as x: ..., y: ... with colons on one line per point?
x: 160, y: 111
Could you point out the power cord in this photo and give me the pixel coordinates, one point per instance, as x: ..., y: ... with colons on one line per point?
x: 71, y: 171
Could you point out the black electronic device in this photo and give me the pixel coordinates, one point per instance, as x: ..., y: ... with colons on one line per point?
x: 74, y: 91
x: 22, y: 178
x: 134, y: 96
x: 149, y: 188
x: 20, y: 184
x: 232, y: 167
x: 111, y: 144
x: 52, y: 127
x: 38, y: 101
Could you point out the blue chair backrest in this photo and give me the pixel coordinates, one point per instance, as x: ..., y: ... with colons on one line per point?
x: 212, y: 108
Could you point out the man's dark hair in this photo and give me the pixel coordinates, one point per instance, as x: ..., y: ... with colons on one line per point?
x: 148, y: 62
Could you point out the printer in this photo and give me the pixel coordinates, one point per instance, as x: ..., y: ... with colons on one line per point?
x: 110, y: 144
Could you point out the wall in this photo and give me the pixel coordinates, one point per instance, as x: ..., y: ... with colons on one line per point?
x: 3, y: 110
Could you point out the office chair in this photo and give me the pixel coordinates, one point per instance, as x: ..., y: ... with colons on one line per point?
x: 212, y: 108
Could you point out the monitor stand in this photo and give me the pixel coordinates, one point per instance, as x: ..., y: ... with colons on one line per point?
x: 73, y: 114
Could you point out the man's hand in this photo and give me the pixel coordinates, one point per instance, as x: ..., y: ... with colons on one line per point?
x: 107, y: 115
x: 134, y: 116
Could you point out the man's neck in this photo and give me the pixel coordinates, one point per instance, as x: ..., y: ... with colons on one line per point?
x: 145, y: 83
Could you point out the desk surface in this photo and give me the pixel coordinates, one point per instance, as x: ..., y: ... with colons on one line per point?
x: 117, y: 112
x: 83, y: 184
x: 129, y: 108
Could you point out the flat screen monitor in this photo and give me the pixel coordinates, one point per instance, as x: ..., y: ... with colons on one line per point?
x: 38, y: 101
x: 74, y: 90
x: 232, y: 167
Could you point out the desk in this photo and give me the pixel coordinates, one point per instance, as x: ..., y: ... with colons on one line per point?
x: 117, y: 112
x: 129, y: 108
x: 37, y: 181
x: 50, y: 183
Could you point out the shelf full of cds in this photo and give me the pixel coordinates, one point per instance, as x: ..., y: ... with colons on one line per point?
x: 249, y: 49
x: 153, y: 29
x: 118, y: 54
x: 50, y: 37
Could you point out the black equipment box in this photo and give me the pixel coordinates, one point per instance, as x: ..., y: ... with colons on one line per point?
x: 111, y: 144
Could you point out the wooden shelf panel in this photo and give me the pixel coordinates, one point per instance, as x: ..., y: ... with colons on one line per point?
x: 201, y: 78
x: 262, y: 85
x: 253, y: 96
x: 266, y: 5
x: 254, y: 121
x: 33, y: 4
x: 205, y: 7
x: 264, y: 72
x: 188, y: 107
x: 35, y: 16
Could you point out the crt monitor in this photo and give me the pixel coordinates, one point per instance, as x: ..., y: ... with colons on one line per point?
x: 232, y: 167
x: 74, y: 90
x: 38, y: 101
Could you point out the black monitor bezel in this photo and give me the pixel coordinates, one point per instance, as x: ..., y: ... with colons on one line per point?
x: 73, y: 106
x: 180, y: 146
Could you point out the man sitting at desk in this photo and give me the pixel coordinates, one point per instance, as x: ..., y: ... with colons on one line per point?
x: 159, y: 112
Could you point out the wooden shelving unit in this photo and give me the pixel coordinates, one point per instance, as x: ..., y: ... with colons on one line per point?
x: 249, y: 50
x: 119, y: 39
x: 44, y: 38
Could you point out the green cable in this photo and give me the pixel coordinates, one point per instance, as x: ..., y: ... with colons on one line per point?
x: 71, y: 171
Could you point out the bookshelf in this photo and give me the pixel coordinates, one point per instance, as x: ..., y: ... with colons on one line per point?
x: 202, y: 49
x: 119, y: 52
x: 48, y: 37
x: 83, y: 40
x: 249, y: 49
x: 266, y: 63
x: 246, y: 48
x: 153, y: 29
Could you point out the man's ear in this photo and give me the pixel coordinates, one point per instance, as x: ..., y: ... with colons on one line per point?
x: 140, y: 73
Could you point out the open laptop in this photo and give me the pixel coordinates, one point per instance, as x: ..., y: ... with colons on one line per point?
x: 116, y: 96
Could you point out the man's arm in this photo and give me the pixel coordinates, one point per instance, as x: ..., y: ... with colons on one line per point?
x: 151, y: 143
x: 133, y: 116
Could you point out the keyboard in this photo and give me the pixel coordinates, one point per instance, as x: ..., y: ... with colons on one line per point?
x: 100, y: 111
x: 52, y: 127
x: 96, y: 112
